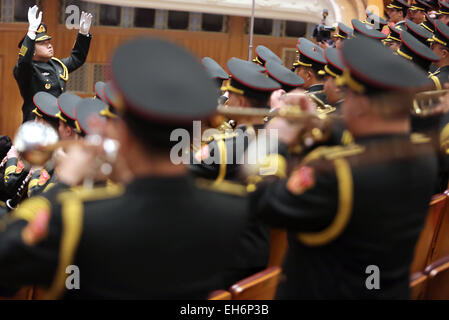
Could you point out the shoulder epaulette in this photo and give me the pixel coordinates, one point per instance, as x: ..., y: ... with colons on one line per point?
x: 331, y: 153
x: 92, y: 194
x: 418, y: 138
x: 224, y: 186
x: 65, y: 75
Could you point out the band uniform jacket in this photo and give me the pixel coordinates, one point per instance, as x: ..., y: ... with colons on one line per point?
x: 254, y: 247
x: 52, y: 76
x: 156, y: 238
x: 440, y: 77
x: 346, y: 208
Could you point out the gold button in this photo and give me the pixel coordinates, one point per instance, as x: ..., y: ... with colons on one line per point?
x: 47, y: 86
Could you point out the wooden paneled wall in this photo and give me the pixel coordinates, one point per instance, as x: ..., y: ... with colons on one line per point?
x: 220, y: 46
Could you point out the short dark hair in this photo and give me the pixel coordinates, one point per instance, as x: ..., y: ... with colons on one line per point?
x: 154, y: 137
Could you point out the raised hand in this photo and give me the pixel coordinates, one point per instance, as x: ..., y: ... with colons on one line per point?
x: 85, y: 22
x: 34, y: 19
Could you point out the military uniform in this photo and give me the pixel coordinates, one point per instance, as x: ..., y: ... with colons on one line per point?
x: 333, y: 219
x: 220, y: 162
x: 178, y: 249
x: 52, y: 76
x: 41, y: 181
x: 348, y: 208
x: 441, y: 75
x: 312, y: 56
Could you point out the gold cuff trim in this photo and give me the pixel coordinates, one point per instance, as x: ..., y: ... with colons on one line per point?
x: 345, y: 203
x: 406, y: 56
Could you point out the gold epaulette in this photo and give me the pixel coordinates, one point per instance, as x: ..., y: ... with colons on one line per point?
x: 224, y: 186
x: 418, y: 138
x: 335, y: 152
x: 65, y: 75
x: 72, y: 220
x: 92, y: 194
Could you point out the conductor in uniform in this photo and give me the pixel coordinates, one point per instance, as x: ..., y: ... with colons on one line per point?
x: 37, y: 69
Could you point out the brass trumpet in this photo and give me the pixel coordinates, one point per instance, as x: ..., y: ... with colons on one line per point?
x: 36, y: 143
x: 315, y: 127
x: 425, y: 102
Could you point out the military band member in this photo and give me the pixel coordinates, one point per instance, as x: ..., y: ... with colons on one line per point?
x: 429, y: 23
x: 263, y: 55
x: 418, y: 11
x: 46, y: 111
x: 378, y: 22
x: 198, y: 242
x: 38, y: 69
x: 219, y: 75
x: 443, y: 14
x: 310, y: 67
x: 343, y: 32
x: 334, y: 69
x: 364, y: 30
x: 248, y: 88
x: 68, y: 127
x: 419, y: 32
x: 417, y: 52
x: 397, y: 11
x: 393, y: 41
x: 323, y: 204
x: 440, y: 45
x: 286, y: 78
x: 101, y: 88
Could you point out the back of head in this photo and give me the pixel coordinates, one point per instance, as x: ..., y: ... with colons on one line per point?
x: 161, y: 87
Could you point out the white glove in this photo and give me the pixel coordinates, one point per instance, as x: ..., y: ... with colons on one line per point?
x: 85, y: 22
x: 34, y: 20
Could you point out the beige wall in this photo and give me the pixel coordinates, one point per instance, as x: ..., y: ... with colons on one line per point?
x: 220, y: 46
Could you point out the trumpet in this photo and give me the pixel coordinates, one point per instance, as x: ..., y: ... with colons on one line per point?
x: 36, y: 143
x: 425, y: 102
x: 315, y: 127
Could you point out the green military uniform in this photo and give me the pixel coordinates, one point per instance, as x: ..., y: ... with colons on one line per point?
x: 52, y: 76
